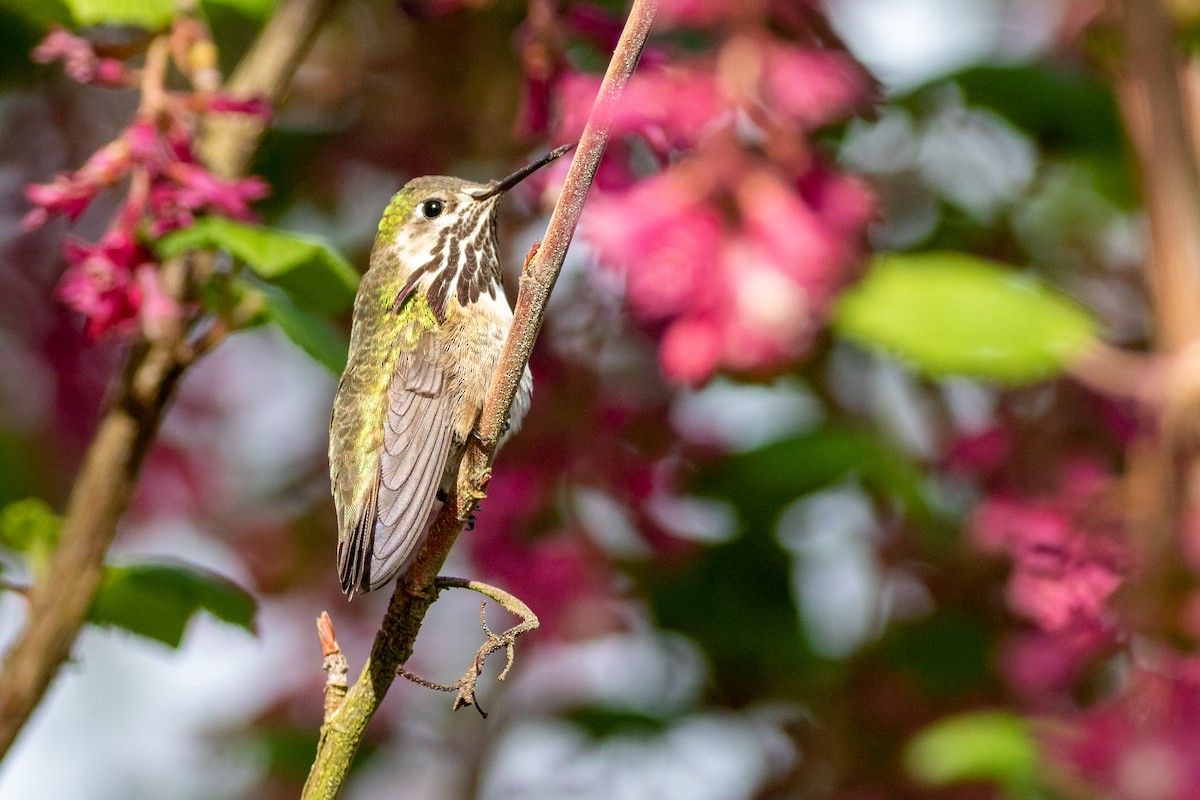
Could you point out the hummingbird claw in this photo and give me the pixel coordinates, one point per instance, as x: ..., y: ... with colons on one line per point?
x: 470, y: 522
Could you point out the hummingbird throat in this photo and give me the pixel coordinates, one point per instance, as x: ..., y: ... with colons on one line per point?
x: 463, y: 263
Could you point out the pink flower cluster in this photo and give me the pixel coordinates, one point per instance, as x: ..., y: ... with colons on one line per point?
x: 735, y: 250
x: 1143, y: 743
x: 1069, y: 556
x: 114, y: 283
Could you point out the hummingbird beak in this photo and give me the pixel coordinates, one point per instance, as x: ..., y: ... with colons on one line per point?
x: 499, y: 187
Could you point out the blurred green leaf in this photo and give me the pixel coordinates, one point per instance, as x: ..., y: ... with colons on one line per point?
x: 984, y: 745
x: 29, y: 524
x: 313, y: 274
x: 602, y: 722
x: 250, y: 8
x: 735, y: 600
x: 151, y: 14
x: 946, y: 652
x: 761, y: 482
x: 1063, y: 109
x: 955, y: 314
x: 312, y: 334
x: 158, y: 600
x: 38, y: 13
x: 31, y: 527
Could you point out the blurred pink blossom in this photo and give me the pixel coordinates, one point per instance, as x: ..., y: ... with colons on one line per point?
x: 810, y: 87
x: 69, y: 194
x: 1042, y: 666
x: 1068, y: 559
x: 251, y: 106
x: 669, y: 107
x: 99, y: 282
x: 980, y: 452
x: 80, y: 60
x: 734, y: 253
x: 1144, y: 743
x: 114, y: 283
x: 737, y: 266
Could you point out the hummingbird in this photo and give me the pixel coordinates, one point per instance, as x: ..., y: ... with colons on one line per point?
x: 429, y: 323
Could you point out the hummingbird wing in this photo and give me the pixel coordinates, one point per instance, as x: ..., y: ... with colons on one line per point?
x: 416, y: 443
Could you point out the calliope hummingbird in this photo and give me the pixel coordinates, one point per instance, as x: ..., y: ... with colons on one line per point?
x: 430, y: 321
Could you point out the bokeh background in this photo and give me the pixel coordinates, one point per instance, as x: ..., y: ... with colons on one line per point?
x: 828, y: 489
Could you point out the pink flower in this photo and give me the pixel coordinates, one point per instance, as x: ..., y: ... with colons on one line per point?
x: 253, y: 106
x: 145, y: 144
x: 698, y: 13
x: 1143, y: 743
x: 1068, y: 560
x: 197, y: 189
x: 810, y: 87
x: 70, y: 193
x: 78, y: 57
x: 980, y: 452
x: 98, y: 282
x: 734, y: 261
x: 662, y: 241
x: 669, y: 108
x: 690, y: 351
x: 1042, y: 666
x: 80, y: 60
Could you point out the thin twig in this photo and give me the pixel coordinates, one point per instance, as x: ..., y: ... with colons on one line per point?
x: 465, y: 686
x: 415, y: 591
x: 337, y: 669
x: 100, y: 495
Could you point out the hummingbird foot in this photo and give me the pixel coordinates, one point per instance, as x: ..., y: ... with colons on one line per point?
x: 470, y: 524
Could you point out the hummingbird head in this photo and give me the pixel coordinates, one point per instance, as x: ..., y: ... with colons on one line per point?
x: 441, y: 231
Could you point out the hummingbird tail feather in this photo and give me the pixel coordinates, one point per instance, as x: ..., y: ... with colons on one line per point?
x: 354, y: 552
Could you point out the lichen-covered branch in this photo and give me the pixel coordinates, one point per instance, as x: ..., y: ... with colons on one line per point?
x: 100, y: 495
x: 416, y: 590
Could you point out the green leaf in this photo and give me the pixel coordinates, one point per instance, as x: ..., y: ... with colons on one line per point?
x: 310, y: 333
x: 955, y: 314
x: 157, y: 600
x: 31, y: 527
x: 255, y: 9
x: 984, y: 745
x: 313, y: 274
x: 151, y: 14
x: 29, y: 524
x: 762, y: 481
x: 38, y: 14
x: 601, y: 722
x: 1064, y: 109
x: 711, y: 596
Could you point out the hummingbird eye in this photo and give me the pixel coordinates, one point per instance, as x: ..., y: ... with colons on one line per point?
x: 432, y: 208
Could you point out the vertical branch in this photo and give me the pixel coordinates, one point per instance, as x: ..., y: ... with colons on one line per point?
x: 58, y: 605
x: 415, y: 591
x: 540, y: 275
x: 1163, y: 468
